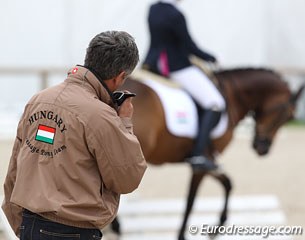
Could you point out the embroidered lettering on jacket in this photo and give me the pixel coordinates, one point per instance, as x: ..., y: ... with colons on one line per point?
x: 50, y: 116
x: 44, y: 152
x: 46, y: 132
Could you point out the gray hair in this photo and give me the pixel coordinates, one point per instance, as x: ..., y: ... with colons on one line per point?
x: 109, y: 53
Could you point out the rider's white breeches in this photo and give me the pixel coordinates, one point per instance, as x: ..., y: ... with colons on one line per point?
x: 200, y: 87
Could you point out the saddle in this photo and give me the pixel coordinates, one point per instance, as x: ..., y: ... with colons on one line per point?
x: 181, y: 111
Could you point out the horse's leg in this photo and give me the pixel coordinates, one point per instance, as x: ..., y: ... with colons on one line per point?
x: 195, y: 182
x: 226, y: 183
x: 115, y: 226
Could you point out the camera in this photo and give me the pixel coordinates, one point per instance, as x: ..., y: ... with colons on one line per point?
x: 120, y: 96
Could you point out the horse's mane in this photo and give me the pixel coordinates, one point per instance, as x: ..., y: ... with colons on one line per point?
x: 247, y: 69
x: 236, y: 71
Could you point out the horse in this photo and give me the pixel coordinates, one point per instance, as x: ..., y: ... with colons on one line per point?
x: 258, y: 92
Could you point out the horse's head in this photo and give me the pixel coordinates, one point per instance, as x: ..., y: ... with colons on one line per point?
x: 275, y: 111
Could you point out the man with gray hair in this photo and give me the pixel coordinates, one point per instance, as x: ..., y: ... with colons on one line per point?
x: 75, y: 151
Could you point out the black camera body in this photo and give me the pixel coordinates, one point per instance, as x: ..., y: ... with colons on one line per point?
x: 120, y: 96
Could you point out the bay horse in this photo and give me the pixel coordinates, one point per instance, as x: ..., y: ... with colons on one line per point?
x: 260, y: 93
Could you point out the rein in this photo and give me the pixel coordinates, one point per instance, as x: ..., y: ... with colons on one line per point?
x: 241, y: 99
x: 282, y: 118
x: 225, y: 91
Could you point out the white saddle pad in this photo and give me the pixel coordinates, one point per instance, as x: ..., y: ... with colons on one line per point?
x: 179, y: 108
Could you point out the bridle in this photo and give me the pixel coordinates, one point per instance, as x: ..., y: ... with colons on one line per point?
x: 283, y: 116
x: 281, y: 107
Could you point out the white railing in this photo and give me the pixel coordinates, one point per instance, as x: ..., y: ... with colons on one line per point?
x: 295, y: 76
x: 45, y: 73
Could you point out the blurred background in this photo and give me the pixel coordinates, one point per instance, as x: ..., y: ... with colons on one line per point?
x: 41, y: 40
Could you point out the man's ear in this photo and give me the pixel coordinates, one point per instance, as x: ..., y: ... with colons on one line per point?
x: 114, y: 83
x: 119, y: 78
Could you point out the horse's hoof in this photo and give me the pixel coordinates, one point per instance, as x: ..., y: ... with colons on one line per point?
x: 212, y: 236
x: 181, y: 238
x: 223, y: 219
x: 116, y: 227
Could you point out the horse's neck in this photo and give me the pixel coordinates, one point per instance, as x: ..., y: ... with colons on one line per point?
x: 236, y: 113
x: 242, y: 97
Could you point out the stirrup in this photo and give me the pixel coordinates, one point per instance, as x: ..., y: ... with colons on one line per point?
x: 201, y: 163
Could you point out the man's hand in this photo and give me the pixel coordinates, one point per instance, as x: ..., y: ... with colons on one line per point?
x: 126, y: 109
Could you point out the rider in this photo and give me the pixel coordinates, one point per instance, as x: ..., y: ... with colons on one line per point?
x: 168, y: 55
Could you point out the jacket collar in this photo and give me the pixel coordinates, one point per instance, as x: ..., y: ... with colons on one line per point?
x: 173, y: 2
x: 85, y: 77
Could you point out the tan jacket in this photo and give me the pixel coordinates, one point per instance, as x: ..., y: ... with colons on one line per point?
x: 73, y: 156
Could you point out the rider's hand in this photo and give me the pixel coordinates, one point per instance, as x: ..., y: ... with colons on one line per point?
x: 213, y: 59
x: 126, y: 109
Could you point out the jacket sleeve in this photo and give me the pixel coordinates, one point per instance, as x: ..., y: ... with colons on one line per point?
x: 12, y: 211
x: 182, y: 33
x: 118, y: 154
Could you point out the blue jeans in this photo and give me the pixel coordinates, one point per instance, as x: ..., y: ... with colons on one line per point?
x: 35, y: 227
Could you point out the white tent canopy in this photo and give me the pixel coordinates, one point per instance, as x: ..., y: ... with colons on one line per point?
x: 55, y: 34
x: 238, y: 32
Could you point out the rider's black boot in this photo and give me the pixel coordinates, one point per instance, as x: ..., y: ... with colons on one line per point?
x: 207, y: 122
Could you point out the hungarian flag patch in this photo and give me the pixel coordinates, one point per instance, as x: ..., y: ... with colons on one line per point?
x: 45, y: 134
